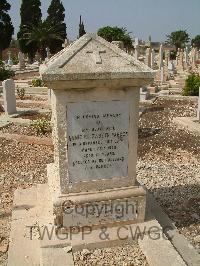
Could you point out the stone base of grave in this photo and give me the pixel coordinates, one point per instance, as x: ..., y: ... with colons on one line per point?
x: 107, y: 207
x: 101, y: 208
x: 35, y: 241
x: 144, y: 96
x: 190, y: 123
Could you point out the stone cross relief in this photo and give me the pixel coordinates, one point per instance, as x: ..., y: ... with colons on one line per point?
x: 97, y: 54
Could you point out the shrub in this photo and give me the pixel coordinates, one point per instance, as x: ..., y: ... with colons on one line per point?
x: 5, y: 73
x: 21, y: 93
x: 37, y: 83
x: 42, y: 126
x: 15, y: 60
x: 192, y: 85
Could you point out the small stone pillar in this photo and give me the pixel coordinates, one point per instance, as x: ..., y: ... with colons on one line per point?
x: 152, y: 58
x: 95, y: 91
x: 198, y: 110
x: 10, y: 62
x: 9, y: 96
x: 137, y: 48
x: 48, y: 53
x: 148, y: 57
x: 21, y: 60
x: 160, y: 62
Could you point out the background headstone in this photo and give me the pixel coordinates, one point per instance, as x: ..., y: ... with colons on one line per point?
x: 21, y: 60
x: 160, y: 62
x: 9, y: 96
x: 198, y: 110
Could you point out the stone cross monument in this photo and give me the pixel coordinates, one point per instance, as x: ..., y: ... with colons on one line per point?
x: 95, y: 106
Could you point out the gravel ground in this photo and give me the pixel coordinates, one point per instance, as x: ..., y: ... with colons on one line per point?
x: 21, y: 166
x: 169, y: 164
x: 126, y: 255
x: 35, y: 115
x: 31, y: 105
x: 25, y: 130
x: 33, y: 98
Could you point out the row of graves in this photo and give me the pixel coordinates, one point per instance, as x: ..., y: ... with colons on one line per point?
x: 92, y: 198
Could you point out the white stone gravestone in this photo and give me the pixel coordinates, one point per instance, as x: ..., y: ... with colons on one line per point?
x: 21, y: 60
x: 152, y: 58
x: 9, y: 96
x: 95, y: 107
x: 10, y: 62
x: 198, y: 110
x: 160, y: 62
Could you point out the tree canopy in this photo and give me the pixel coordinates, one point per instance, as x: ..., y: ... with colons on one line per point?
x: 6, y: 27
x: 178, y: 38
x: 116, y: 34
x: 56, y: 17
x: 30, y: 15
x: 196, y: 41
x: 81, y: 28
x: 41, y: 35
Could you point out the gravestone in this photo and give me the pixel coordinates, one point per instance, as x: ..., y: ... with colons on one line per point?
x: 152, y: 58
x: 193, y: 57
x: 137, y: 48
x: 144, y: 94
x: 198, y: 110
x: 9, y: 96
x: 95, y: 90
x: 21, y: 60
x: 10, y: 62
x: 148, y: 57
x: 160, y: 62
x: 171, y: 66
x: 48, y: 53
x: 186, y: 57
x: 180, y: 59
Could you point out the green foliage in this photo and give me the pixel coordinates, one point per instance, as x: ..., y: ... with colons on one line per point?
x: 42, y: 35
x: 37, y: 83
x: 5, y: 73
x: 30, y: 15
x: 116, y: 34
x: 21, y: 93
x: 192, y: 85
x: 81, y: 28
x: 42, y: 126
x: 15, y: 60
x: 56, y: 17
x: 6, y: 27
x: 196, y: 41
x: 178, y: 38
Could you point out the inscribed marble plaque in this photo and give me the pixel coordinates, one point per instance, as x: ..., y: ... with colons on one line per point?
x: 97, y: 135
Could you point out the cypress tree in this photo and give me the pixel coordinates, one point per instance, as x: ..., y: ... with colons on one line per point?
x: 56, y: 16
x: 6, y: 27
x: 81, y: 28
x: 30, y: 15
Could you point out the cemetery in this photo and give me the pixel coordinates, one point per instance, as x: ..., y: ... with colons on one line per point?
x: 99, y: 145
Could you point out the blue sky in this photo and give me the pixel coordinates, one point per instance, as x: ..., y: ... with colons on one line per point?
x: 141, y: 17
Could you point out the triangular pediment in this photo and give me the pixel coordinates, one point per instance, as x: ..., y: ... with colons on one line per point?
x: 91, y: 57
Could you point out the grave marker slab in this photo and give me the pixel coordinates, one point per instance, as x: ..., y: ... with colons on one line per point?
x: 9, y: 96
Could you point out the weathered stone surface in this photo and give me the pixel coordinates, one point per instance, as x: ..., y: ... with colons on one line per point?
x: 97, y: 140
x: 91, y: 57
